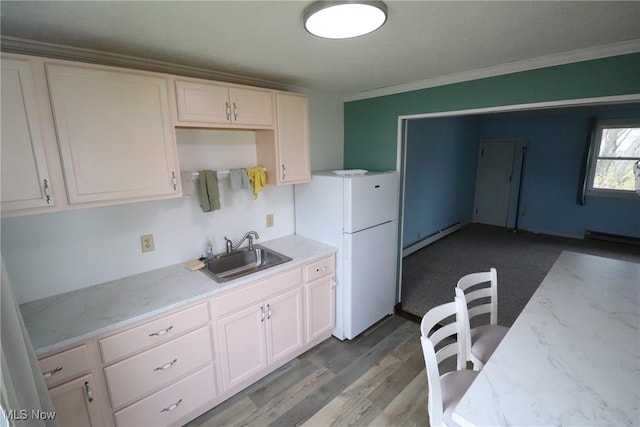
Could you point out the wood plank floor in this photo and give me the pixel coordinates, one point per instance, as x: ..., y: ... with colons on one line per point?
x: 377, y: 379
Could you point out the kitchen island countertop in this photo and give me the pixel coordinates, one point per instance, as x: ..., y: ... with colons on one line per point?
x: 66, y: 319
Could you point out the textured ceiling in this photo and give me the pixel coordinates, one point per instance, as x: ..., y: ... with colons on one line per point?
x: 266, y: 40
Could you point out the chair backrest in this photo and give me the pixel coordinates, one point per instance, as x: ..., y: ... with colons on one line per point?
x: 469, y: 285
x: 435, y: 351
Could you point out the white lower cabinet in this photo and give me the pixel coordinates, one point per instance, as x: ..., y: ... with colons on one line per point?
x: 243, y: 345
x: 173, y: 405
x: 74, y: 403
x: 284, y: 325
x: 72, y: 387
x: 143, y: 373
x: 172, y: 368
x: 151, y: 369
x: 320, y: 307
x: 262, y: 333
x: 320, y: 297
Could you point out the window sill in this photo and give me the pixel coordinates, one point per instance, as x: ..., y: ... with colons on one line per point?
x: 616, y: 194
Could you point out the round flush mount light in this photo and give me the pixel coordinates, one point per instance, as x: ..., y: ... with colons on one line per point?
x: 344, y: 19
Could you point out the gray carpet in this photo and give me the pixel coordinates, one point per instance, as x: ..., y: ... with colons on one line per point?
x: 521, y: 259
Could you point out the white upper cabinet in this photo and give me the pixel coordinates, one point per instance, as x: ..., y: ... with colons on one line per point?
x: 293, y: 138
x: 26, y: 182
x: 218, y: 105
x: 114, y: 132
x: 284, y: 152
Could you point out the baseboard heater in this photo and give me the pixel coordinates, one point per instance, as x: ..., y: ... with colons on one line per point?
x: 616, y: 238
x: 430, y: 239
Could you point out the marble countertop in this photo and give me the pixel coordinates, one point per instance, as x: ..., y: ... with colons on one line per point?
x: 66, y: 319
x: 572, y: 357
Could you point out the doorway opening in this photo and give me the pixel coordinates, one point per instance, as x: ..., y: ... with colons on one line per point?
x: 407, y: 126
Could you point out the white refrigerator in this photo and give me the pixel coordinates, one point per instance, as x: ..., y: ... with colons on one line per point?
x: 359, y: 215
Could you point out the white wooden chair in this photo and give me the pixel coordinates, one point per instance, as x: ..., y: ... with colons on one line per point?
x: 445, y: 390
x: 477, y: 299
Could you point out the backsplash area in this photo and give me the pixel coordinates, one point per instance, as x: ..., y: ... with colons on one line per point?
x: 53, y: 253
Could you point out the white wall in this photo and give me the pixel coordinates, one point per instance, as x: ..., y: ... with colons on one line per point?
x: 53, y: 253
x: 326, y: 129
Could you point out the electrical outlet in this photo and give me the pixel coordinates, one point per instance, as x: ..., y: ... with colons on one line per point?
x: 146, y: 242
x: 270, y: 220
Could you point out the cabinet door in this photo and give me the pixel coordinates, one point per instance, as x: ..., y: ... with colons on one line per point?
x: 285, y: 333
x: 293, y: 138
x: 115, y: 134
x: 75, y: 403
x: 25, y: 176
x: 251, y: 106
x: 203, y: 103
x: 320, y: 305
x: 242, y: 344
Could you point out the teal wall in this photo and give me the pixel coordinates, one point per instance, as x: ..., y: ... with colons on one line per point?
x: 370, y: 125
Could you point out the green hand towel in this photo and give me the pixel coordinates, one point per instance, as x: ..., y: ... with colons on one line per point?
x: 209, y: 191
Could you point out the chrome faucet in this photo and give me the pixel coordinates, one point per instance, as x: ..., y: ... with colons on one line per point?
x: 249, y: 235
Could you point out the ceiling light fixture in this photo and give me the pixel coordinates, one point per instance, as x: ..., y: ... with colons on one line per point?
x: 344, y: 19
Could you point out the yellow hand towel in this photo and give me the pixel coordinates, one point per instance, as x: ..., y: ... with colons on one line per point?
x: 257, y: 179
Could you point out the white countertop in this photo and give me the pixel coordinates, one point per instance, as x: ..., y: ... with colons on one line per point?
x: 66, y: 319
x: 572, y: 357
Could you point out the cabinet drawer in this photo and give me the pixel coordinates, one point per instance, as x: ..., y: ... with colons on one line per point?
x: 236, y: 299
x: 64, y: 365
x: 319, y: 269
x: 151, y: 333
x: 170, y: 405
x: 133, y: 377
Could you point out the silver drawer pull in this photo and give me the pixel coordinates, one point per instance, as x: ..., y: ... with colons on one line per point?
x: 88, y: 391
x: 322, y: 269
x: 160, y: 333
x: 166, y: 365
x: 172, y: 407
x: 47, y: 192
x: 52, y: 373
x: 174, y: 181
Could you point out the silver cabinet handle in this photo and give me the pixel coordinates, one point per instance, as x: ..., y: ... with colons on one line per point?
x: 166, y: 365
x: 235, y: 112
x: 284, y: 172
x: 88, y: 392
x: 268, y: 311
x: 262, y: 313
x: 161, y: 332
x: 52, y: 372
x: 228, y: 109
x: 174, y: 181
x: 47, y: 191
x: 322, y: 268
x: 172, y: 407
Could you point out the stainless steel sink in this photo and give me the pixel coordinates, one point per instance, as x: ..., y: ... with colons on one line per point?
x: 242, y: 262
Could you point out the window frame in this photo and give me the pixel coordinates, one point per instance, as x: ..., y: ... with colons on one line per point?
x: 594, y: 157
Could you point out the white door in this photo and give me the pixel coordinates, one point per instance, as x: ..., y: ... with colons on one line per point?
x: 370, y: 277
x: 370, y: 200
x: 494, y: 182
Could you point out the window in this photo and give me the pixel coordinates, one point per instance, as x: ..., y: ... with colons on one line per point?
x: 615, y: 154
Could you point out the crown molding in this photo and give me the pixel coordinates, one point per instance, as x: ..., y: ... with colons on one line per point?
x: 596, y: 52
x: 70, y: 53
